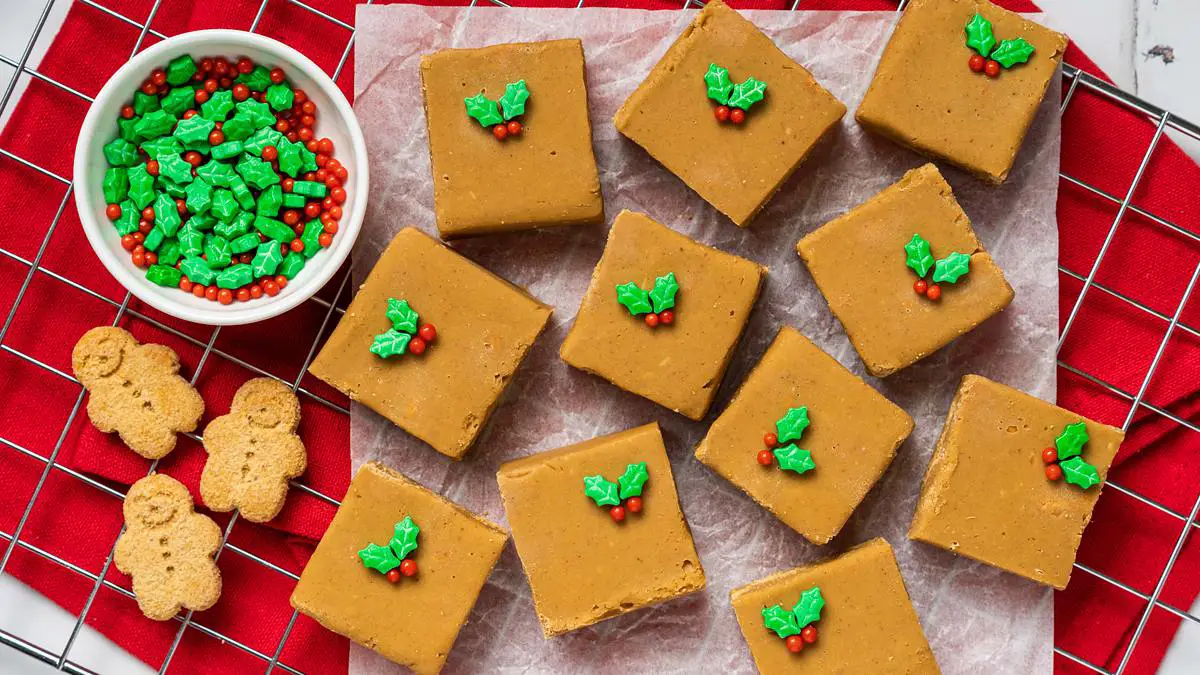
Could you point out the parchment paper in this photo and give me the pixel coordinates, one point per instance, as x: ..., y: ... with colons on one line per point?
x: 977, y: 619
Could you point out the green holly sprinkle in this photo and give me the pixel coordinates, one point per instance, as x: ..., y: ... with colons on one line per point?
x: 634, y: 298
x: 384, y: 559
x: 512, y: 103
x: 483, y: 109
x: 390, y: 343
x: 778, y: 619
x: 1007, y: 53
x: 1078, y: 472
x: 805, y: 612
x: 747, y: 93
x: 808, y: 609
x: 793, y: 458
x: 1011, y: 52
x: 403, y: 317
x: 792, y: 425
x: 633, y: 479
x: 979, y: 35
x: 402, y: 336
x: 663, y: 293
x: 918, y: 256
x: 950, y: 268
x: 1071, y: 441
x: 719, y: 84
x: 602, y: 491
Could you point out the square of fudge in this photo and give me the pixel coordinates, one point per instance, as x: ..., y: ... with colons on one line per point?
x: 484, y: 328
x: 866, y: 621
x: 859, y: 262
x: 544, y: 176
x: 849, y: 431
x: 415, y: 620
x: 988, y: 494
x: 583, y: 565
x: 734, y: 167
x: 677, y: 365
x: 925, y: 95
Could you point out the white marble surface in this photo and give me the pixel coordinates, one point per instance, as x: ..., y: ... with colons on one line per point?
x: 1120, y: 35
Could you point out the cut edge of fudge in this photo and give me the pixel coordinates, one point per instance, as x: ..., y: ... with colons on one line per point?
x: 941, y: 471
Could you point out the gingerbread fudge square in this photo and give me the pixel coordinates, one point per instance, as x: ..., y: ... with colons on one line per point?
x: 935, y: 92
x: 662, y: 315
x: 1013, y: 481
x: 904, y: 272
x: 486, y: 180
x: 739, y: 163
x: 850, y: 614
x: 804, y: 437
x: 399, y: 569
x: 482, y: 327
x: 599, y: 530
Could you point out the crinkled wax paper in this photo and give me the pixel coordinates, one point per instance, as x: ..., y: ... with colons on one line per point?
x: 978, y: 619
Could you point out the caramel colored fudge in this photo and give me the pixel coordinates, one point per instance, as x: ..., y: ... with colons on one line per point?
x: 989, y: 493
x: 677, y: 365
x: 926, y: 96
x: 734, y: 167
x: 866, y: 625
x: 858, y: 261
x: 544, y: 176
x: 851, y: 433
x: 583, y: 565
x: 414, y: 620
x: 484, y: 325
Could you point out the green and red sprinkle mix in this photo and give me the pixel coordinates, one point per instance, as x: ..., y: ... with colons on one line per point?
x: 657, y: 304
x: 919, y: 257
x: 734, y: 100
x: 781, y: 446
x: 796, y: 627
x: 624, y: 495
x: 406, y: 335
x: 991, y: 56
x: 500, y: 115
x: 1065, y: 460
x: 217, y: 182
x: 392, y: 560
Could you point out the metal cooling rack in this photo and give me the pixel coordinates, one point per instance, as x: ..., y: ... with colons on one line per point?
x: 1076, y: 78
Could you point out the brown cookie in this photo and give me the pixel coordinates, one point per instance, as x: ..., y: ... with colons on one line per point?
x: 168, y: 549
x: 253, y: 451
x: 136, y: 390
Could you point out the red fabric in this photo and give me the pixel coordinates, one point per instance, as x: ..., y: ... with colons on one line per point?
x: 1102, y: 144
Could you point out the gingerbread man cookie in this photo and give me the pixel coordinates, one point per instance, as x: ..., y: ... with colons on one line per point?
x: 253, y: 451
x: 136, y: 390
x: 168, y: 549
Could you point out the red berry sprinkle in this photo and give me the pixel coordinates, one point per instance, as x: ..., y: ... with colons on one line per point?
x: 795, y: 644
x: 934, y: 292
x: 770, y: 440
x: 393, y: 575
x: 921, y: 286
x: 128, y: 242
x: 617, y: 513
x: 737, y: 115
x: 216, y: 137
x: 721, y: 112
x: 241, y: 92
x: 152, y: 167
x: 514, y: 128
x: 427, y: 332
x: 270, y: 153
x: 417, y: 346
x: 225, y: 296
x: 408, y: 568
x: 281, y: 281
x: 113, y: 211
x: 245, y: 65
x: 652, y: 319
x: 634, y: 504
x: 1050, y: 455
x: 500, y: 132
x: 270, y: 288
x: 277, y: 76
x: 297, y: 245
x: 766, y: 458
x: 667, y: 316
x: 1053, y: 471
x: 976, y: 63
x: 992, y: 69
x: 809, y: 634
x: 127, y: 112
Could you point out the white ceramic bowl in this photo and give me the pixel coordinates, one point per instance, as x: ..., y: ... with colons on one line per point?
x: 335, y: 120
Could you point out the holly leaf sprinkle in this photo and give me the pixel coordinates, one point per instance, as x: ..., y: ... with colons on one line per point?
x: 634, y: 298
x: 1012, y: 52
x: 979, y: 35
x: 792, y: 425
x: 1071, y: 441
x: 379, y: 558
x: 404, y: 538
x: 793, y: 458
x: 719, y: 84
x: 390, y: 343
x: 633, y: 479
x: 512, y: 103
x: 601, y: 490
x: 1078, y: 472
x: 663, y: 293
x: 950, y: 268
x: 403, y: 317
x: 747, y: 93
x: 781, y: 621
x: 483, y: 109
x: 808, y: 609
x: 918, y: 256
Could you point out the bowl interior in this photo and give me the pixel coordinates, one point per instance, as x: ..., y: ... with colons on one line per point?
x: 335, y: 121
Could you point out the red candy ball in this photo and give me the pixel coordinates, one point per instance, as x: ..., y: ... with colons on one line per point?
x: 216, y: 137
x: 500, y: 132
x: 245, y: 65
x: 417, y: 346
x: 634, y: 504
x: 408, y: 568
x: 393, y: 575
x: 666, y: 316
x: 1053, y: 471
x: 277, y: 76
x: 297, y: 245
x: 152, y: 167
x: 617, y: 513
x: 652, y: 319
x: 514, y: 128
x: 270, y: 153
x: 1050, y: 455
x: 770, y: 440
x: 737, y: 115
x: 721, y: 112
x: 934, y: 292
x: 241, y: 92
x: 809, y: 634
x: 113, y: 211
x: 976, y: 63
x: 766, y: 458
x: 427, y: 332
x: 921, y: 286
x: 992, y: 69
x: 795, y: 644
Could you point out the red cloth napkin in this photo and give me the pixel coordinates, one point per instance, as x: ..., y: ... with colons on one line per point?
x: 1102, y: 144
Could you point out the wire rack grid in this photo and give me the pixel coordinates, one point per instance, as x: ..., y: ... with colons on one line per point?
x: 1073, y: 78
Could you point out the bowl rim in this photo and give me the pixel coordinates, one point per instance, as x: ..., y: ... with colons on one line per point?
x: 85, y: 193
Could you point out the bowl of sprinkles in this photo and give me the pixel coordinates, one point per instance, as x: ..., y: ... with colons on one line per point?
x: 221, y: 177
